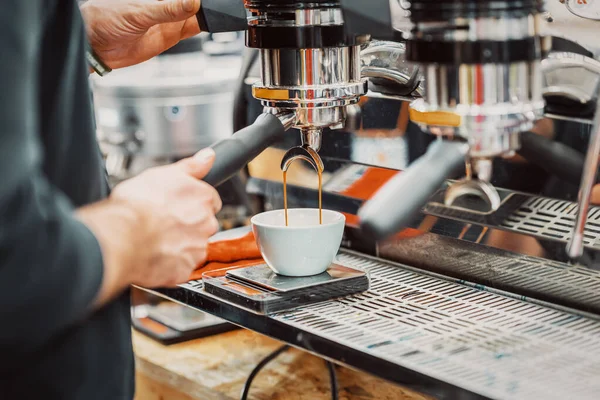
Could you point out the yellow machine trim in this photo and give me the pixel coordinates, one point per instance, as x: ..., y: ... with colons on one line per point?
x: 437, y: 118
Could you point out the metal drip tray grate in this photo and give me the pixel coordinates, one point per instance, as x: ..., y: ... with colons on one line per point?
x: 492, y: 345
x: 553, y: 219
x: 571, y: 286
x: 542, y: 217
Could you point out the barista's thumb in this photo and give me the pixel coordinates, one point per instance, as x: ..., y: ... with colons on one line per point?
x: 165, y: 11
x: 199, y: 164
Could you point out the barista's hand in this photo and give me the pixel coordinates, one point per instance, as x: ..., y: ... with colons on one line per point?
x: 128, y: 32
x: 154, y: 228
x: 177, y: 213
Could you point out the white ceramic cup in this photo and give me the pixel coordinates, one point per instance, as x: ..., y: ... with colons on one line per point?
x: 304, y: 247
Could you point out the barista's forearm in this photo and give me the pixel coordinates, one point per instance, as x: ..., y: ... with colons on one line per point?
x: 113, y: 225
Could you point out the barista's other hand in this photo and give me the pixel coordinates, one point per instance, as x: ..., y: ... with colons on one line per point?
x: 176, y: 214
x: 128, y: 32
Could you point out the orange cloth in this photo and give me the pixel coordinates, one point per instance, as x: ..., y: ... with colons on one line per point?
x: 241, y: 246
x: 370, y: 182
x: 212, y: 266
x: 235, y: 247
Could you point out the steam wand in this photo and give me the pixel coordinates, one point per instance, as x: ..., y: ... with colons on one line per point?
x: 588, y: 179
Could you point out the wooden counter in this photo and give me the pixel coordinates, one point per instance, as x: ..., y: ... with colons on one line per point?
x: 217, y: 367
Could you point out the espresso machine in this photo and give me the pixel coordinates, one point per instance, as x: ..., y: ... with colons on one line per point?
x: 460, y: 138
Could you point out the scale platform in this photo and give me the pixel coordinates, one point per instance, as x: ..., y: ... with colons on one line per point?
x: 261, y: 290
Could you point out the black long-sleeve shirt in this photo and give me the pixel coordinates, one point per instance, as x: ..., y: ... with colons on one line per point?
x: 52, y: 344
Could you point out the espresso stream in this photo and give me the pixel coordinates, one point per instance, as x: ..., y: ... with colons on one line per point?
x: 285, y: 197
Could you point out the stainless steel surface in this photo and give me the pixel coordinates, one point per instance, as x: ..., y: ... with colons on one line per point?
x: 472, y: 187
x: 572, y: 76
x: 540, y: 217
x: 588, y: 180
x: 168, y: 107
x: 573, y: 27
x: 583, y: 8
x: 496, y: 346
x: 264, y: 277
x: 309, y: 67
x: 387, y: 60
x: 559, y: 117
x: 305, y: 153
x: 462, y: 29
x: 563, y: 285
x: 301, y: 17
x: 491, y: 103
x: 476, y: 183
x: 470, y: 336
x: 522, y: 217
x: 486, y: 103
x: 332, y: 117
x: 287, y: 119
x: 482, y: 169
x: 316, y: 83
x: 382, y: 140
x: 312, y: 137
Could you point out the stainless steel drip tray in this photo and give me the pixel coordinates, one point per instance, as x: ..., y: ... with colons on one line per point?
x: 541, y: 217
x: 449, y: 339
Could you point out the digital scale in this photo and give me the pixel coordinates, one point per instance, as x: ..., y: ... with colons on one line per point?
x: 256, y: 288
x: 261, y: 290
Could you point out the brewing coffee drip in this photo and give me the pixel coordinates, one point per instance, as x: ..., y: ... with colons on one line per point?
x: 307, y: 151
x: 476, y: 183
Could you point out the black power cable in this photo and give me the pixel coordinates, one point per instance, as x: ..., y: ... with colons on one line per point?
x: 333, y: 380
x: 271, y: 357
x: 260, y: 366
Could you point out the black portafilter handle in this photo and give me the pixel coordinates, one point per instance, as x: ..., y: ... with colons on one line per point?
x: 233, y: 153
x: 555, y: 158
x: 373, y: 17
x: 394, y: 206
x: 217, y: 16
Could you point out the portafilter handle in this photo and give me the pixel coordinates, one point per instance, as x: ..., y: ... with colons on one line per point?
x: 395, y: 204
x: 233, y: 153
x: 217, y: 16
x: 554, y: 157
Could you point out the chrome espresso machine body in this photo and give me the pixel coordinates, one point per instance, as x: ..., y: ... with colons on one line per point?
x: 167, y: 108
x: 458, y: 138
